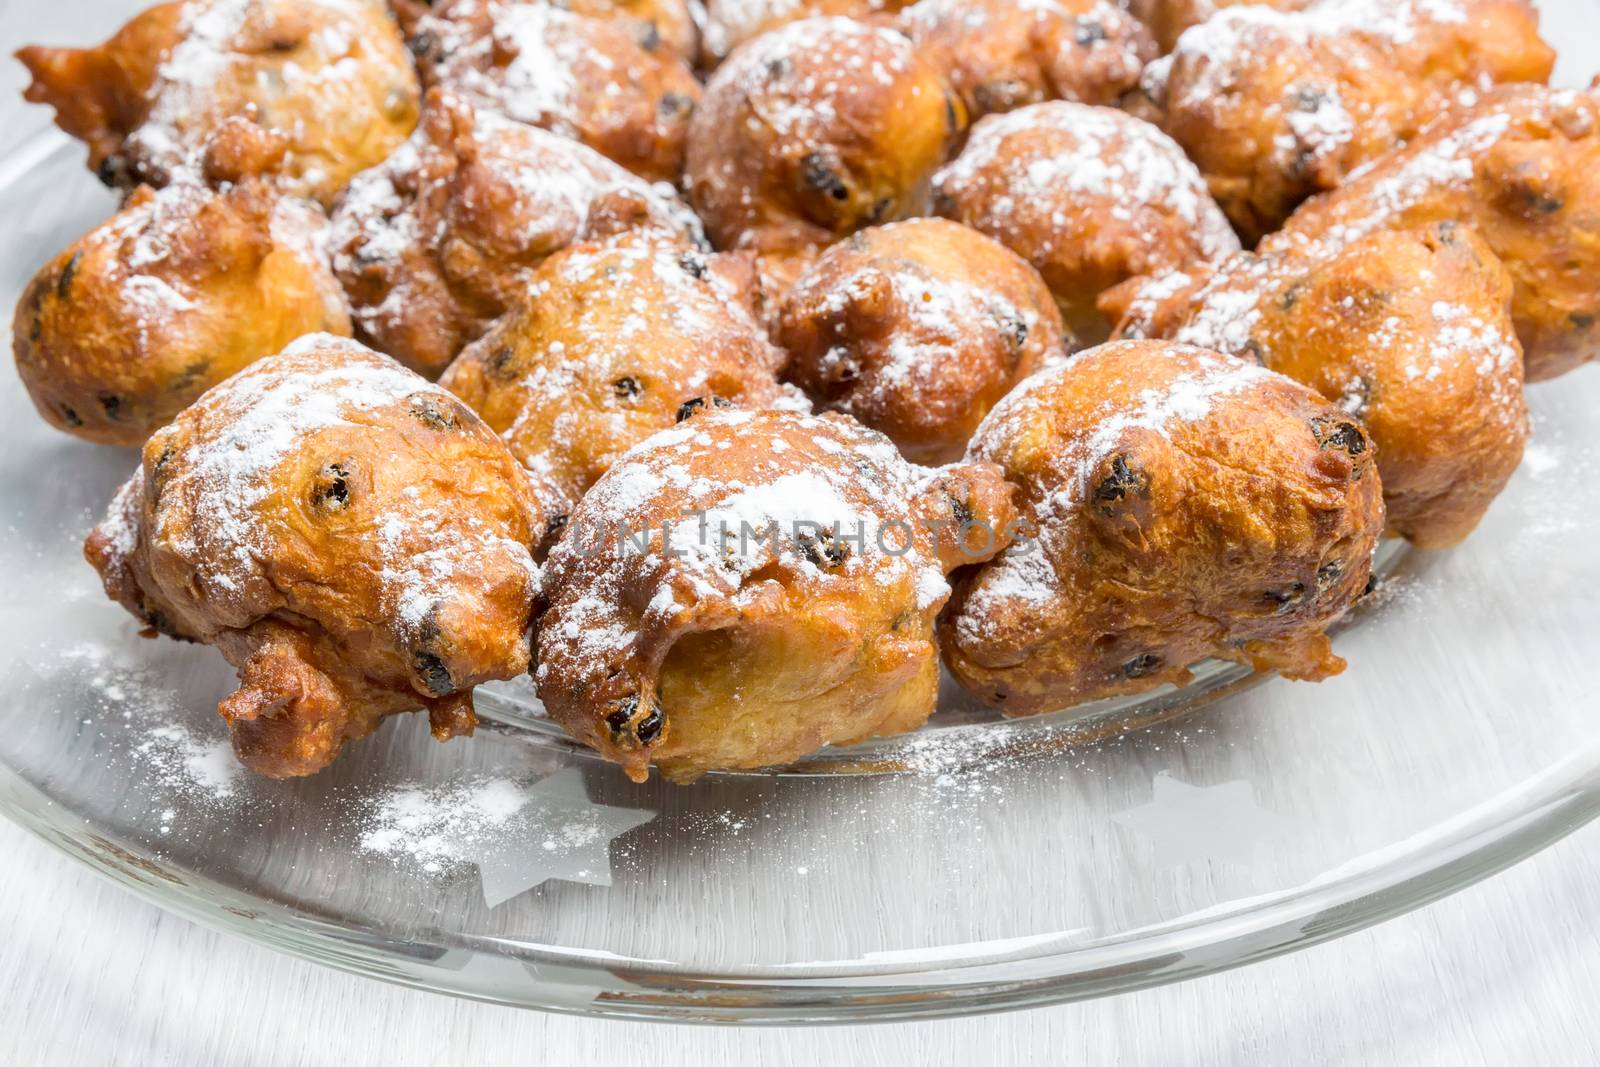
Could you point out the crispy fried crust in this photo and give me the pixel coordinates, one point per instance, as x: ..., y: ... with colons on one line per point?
x: 1187, y: 504
x: 1522, y: 167
x: 1089, y: 195
x: 657, y: 25
x: 1410, y: 332
x: 183, y: 287
x: 332, y: 76
x: 715, y: 652
x: 439, y: 241
x: 354, y: 540
x: 797, y: 143
x: 584, y: 78
x: 619, y: 340
x: 1275, y: 106
x: 917, y: 329
x: 1168, y: 19
x: 1003, y: 54
x: 730, y: 23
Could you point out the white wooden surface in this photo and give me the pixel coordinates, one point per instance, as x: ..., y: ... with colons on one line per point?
x: 1504, y: 972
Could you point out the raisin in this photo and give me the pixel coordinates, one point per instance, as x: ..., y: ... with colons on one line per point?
x: 627, y: 388
x: 332, y: 490
x: 1283, y: 598
x: 1090, y: 32
x: 694, y: 264
x: 673, y: 105
x: 880, y: 210
x: 1346, y: 436
x: 695, y: 405
x: 821, y: 550
x: 645, y: 730
x: 1016, y: 331
x: 434, y: 674
x: 1116, y: 486
x: 503, y: 362
x: 650, y: 727
x: 1329, y: 573
x: 426, y: 411
x: 1291, y: 296
x: 1142, y: 666
x: 111, y: 404
x: 778, y: 68
x: 1581, y: 320
x: 68, y: 273
x: 818, y: 175
x: 426, y: 47
x: 649, y: 37
x: 112, y: 172
x: 1310, y: 100
x: 960, y: 510
x: 70, y: 416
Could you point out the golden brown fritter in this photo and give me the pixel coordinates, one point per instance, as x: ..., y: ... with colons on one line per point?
x: 183, y: 287
x: 813, y: 131
x: 657, y: 25
x: 1522, y: 167
x: 730, y: 23
x: 580, y: 77
x: 1090, y: 196
x: 1003, y: 54
x: 1276, y: 106
x: 614, y: 342
x: 332, y: 76
x: 1408, y: 331
x: 1187, y: 505
x: 917, y: 329
x: 784, y: 597
x: 1168, y: 19
x: 439, y: 241
x: 351, y: 538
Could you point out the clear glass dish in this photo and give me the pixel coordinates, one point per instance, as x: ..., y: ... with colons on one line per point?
x: 973, y: 866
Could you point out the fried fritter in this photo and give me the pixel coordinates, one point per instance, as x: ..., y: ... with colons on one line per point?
x: 181, y: 288
x: 749, y: 587
x: 437, y: 243
x: 580, y: 77
x: 615, y: 341
x: 1187, y: 505
x: 1003, y: 54
x: 917, y: 329
x: 815, y: 130
x: 658, y: 25
x: 1167, y: 19
x: 1410, y: 332
x: 1090, y: 196
x: 1276, y: 106
x: 332, y: 76
x: 730, y: 23
x: 351, y: 538
x: 1522, y: 167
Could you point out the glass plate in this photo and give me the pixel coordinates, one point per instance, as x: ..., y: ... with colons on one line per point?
x: 975, y: 865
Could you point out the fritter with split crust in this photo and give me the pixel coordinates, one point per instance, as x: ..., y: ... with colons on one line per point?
x: 784, y: 600
x: 613, y: 342
x: 1522, y: 168
x: 439, y: 241
x: 1187, y: 504
x: 351, y: 538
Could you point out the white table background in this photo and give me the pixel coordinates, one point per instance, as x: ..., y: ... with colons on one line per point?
x: 1505, y: 972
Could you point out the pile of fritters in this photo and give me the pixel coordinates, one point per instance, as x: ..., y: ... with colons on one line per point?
x: 618, y: 342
